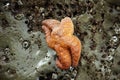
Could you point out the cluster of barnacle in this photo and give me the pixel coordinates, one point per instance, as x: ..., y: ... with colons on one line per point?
x: 37, y: 11
x: 102, y: 41
x: 5, y: 57
x: 66, y: 75
x: 102, y: 61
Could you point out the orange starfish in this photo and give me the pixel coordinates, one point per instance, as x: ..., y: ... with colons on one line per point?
x: 59, y: 36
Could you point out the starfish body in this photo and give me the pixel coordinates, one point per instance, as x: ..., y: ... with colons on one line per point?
x: 59, y: 36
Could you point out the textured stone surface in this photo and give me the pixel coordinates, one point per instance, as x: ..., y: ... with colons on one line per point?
x: 23, y: 50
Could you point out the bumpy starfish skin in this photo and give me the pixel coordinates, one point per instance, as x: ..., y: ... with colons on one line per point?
x: 59, y: 36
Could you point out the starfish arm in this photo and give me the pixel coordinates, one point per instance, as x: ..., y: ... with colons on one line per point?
x: 67, y: 26
x: 64, y: 58
x: 51, y: 23
x: 48, y: 36
x: 75, y: 49
x: 47, y: 31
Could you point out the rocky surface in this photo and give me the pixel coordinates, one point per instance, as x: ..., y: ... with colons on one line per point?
x: 25, y: 55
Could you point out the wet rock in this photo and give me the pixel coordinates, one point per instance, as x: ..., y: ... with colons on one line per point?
x: 24, y: 54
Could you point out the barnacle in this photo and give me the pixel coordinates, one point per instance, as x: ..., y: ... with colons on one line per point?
x: 59, y: 36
